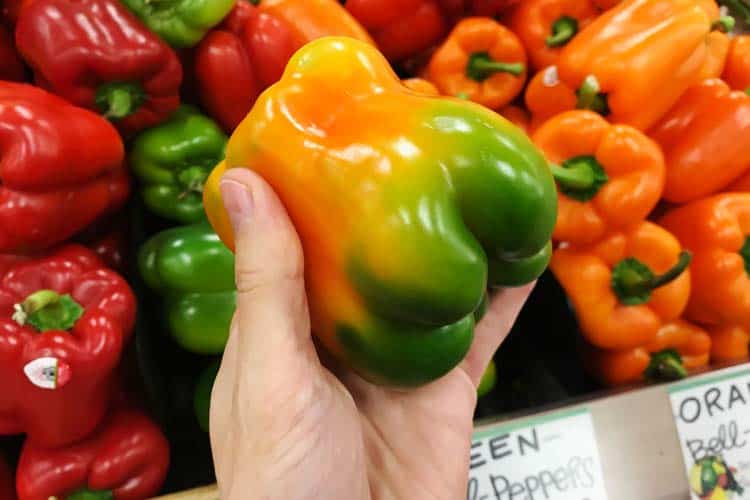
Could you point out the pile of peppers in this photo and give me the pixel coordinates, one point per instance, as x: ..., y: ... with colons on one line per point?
x: 428, y: 152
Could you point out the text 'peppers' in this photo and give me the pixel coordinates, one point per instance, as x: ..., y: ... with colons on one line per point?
x: 402, y: 202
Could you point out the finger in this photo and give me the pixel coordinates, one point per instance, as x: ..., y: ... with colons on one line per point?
x: 493, y: 328
x: 274, y: 325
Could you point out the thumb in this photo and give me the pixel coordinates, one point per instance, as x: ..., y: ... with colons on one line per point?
x: 269, y: 272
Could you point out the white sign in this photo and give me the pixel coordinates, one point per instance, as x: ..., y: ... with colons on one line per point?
x: 553, y: 457
x: 713, y: 423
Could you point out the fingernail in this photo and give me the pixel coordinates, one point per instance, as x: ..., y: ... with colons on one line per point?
x: 238, y: 201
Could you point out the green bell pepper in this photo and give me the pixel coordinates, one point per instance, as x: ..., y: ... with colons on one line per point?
x: 202, y: 399
x: 194, y: 272
x: 172, y: 161
x: 489, y: 379
x: 180, y: 23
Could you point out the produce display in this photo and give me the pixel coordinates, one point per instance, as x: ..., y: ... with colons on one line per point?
x: 429, y: 152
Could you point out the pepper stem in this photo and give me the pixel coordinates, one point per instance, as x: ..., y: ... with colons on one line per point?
x: 633, y: 281
x: 738, y: 8
x: 48, y: 310
x: 563, y: 30
x: 118, y: 100
x: 192, y: 179
x: 665, y: 365
x: 745, y: 254
x: 747, y: 91
x: 481, y: 66
x: 580, y: 177
x: 725, y: 24
x: 591, y: 97
x: 86, y: 494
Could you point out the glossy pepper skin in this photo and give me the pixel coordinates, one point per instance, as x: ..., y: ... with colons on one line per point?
x: 400, y: 28
x: 729, y: 343
x: 717, y: 231
x: 482, y: 61
x: 126, y: 458
x: 717, y: 44
x: 68, y: 317
x: 547, y: 96
x: 96, y: 54
x: 181, y: 23
x: 7, y: 481
x: 706, y: 141
x: 617, y: 304
x: 173, y: 160
x: 609, y: 177
x: 11, y: 67
x: 249, y: 51
x: 400, y: 219
x: 690, y: 347
x: 737, y: 68
x: 60, y: 169
x: 546, y: 26
x: 421, y: 85
x: 194, y: 273
x: 633, y: 62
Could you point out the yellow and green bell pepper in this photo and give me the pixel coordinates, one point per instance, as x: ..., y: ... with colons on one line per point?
x: 408, y: 206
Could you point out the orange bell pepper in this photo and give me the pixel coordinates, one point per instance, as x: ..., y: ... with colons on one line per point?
x: 421, y: 85
x: 717, y: 231
x: 717, y: 43
x: 517, y: 116
x: 706, y: 140
x: 480, y: 60
x: 729, y: 343
x: 625, y: 287
x: 606, y: 4
x: 737, y: 68
x: 546, y: 26
x: 546, y: 96
x: 634, y: 61
x: 678, y: 346
x: 742, y: 184
x: 609, y: 176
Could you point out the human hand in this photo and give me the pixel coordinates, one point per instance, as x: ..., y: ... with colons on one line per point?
x: 286, y: 425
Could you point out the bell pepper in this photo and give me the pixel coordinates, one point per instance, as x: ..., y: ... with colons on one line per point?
x: 181, y: 23
x: 249, y: 51
x: 706, y: 141
x: 546, y: 96
x: 480, y: 60
x: 11, y: 67
x: 402, y: 218
x: 7, y: 481
x: 717, y: 231
x: 60, y: 169
x: 64, y: 321
x: 127, y: 458
x: 729, y: 343
x: 517, y: 116
x: 421, y: 85
x: 546, y: 26
x: 202, y: 398
x: 173, y: 160
x: 492, y: 8
x: 96, y: 54
x: 625, y: 287
x: 717, y: 44
x: 679, y: 346
x: 737, y: 68
x: 609, y: 177
x: 606, y: 4
x: 632, y: 63
x: 401, y: 28
x: 194, y: 272
x: 488, y: 381
x: 109, y: 240
x: 742, y: 184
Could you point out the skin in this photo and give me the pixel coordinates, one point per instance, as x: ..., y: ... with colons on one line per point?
x: 287, y: 422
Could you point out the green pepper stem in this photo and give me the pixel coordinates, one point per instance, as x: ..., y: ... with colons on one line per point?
x: 580, y: 177
x: 47, y: 310
x: 665, y: 365
x: 481, y: 66
x: 725, y: 24
x: 738, y: 8
x: 86, y: 494
x: 672, y: 274
x: 563, y: 30
x: 745, y: 254
x: 192, y: 179
x: 118, y: 100
x: 633, y: 281
x: 590, y: 96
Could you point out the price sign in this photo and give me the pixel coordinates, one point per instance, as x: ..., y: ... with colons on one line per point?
x: 553, y: 457
x: 713, y: 423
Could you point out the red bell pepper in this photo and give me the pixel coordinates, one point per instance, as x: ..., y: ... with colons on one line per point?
x: 64, y: 320
x: 98, y: 55
x: 7, y: 481
x: 61, y: 167
x: 401, y: 28
x: 108, y: 238
x: 11, y: 67
x: 127, y: 458
x: 491, y: 8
